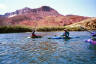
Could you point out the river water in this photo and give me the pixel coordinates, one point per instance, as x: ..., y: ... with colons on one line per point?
x: 16, y: 48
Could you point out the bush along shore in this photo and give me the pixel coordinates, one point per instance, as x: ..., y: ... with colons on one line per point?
x: 14, y: 29
x: 17, y: 29
x: 60, y: 28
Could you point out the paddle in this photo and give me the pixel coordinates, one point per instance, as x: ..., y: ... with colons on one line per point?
x: 92, y: 33
x: 86, y: 30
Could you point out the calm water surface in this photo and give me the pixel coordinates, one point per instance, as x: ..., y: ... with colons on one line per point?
x: 16, y: 48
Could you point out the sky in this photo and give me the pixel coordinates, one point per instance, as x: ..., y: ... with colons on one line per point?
x: 64, y: 7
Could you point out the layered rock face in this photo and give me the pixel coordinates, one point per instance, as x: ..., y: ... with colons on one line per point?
x: 42, y: 11
x: 40, y: 17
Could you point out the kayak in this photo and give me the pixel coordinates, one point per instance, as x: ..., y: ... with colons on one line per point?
x: 59, y: 38
x: 91, y: 41
x: 36, y: 36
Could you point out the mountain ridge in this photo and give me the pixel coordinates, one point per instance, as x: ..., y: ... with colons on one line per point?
x: 40, y: 17
x: 40, y: 11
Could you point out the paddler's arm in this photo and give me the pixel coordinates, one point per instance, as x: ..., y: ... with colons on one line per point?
x: 68, y: 34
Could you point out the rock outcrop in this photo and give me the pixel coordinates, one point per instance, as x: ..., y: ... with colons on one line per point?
x: 89, y: 23
x: 41, y: 17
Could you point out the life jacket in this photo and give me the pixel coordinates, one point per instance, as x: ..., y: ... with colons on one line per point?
x: 66, y: 34
x: 94, y: 34
x: 33, y: 35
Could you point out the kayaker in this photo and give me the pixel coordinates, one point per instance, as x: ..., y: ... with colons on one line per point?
x: 33, y: 33
x: 94, y: 36
x: 66, y: 33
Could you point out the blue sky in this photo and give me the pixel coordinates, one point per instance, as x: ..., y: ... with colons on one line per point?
x: 76, y: 7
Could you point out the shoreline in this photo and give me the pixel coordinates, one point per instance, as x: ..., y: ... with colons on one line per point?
x: 21, y: 29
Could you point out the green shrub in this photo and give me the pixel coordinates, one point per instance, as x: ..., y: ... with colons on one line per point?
x: 9, y: 29
x: 12, y: 29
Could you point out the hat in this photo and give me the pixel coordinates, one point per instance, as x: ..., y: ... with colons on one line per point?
x: 65, y: 29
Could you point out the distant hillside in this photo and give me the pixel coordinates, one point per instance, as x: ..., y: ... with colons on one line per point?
x: 42, y: 11
x: 43, y: 21
x: 2, y: 22
x: 88, y: 24
x: 40, y: 17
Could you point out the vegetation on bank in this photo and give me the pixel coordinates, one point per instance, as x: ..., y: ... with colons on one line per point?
x: 16, y: 29
x: 59, y: 28
x: 13, y: 29
x: 89, y: 24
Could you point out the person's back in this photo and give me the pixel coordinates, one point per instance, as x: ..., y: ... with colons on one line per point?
x: 66, y: 33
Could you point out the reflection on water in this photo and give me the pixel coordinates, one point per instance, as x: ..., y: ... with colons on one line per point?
x: 16, y: 48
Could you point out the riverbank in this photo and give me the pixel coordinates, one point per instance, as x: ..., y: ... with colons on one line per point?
x: 14, y: 29
x: 17, y: 29
x: 59, y: 28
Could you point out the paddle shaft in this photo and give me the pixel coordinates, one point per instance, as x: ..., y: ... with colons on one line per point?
x: 86, y: 30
